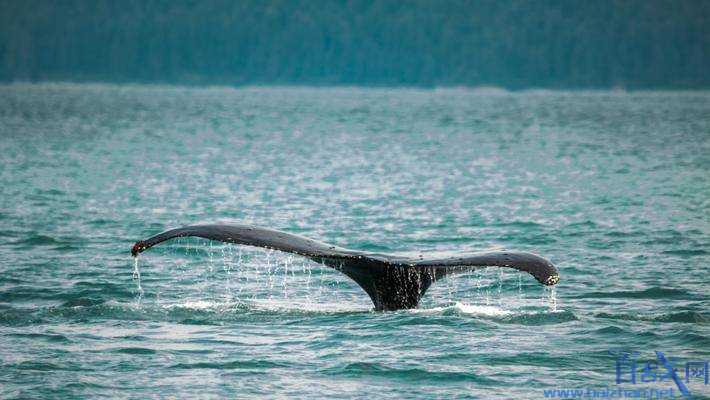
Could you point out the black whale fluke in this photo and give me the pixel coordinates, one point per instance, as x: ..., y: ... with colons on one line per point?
x: 392, y: 282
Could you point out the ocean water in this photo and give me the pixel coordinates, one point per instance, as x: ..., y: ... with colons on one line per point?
x: 612, y: 187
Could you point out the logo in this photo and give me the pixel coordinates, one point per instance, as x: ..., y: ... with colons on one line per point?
x: 633, y: 376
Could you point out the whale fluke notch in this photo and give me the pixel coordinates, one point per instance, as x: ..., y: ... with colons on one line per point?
x: 392, y: 282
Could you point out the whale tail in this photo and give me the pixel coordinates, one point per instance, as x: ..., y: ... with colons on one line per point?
x: 392, y: 282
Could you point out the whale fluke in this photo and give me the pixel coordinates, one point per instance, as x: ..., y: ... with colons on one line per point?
x: 392, y: 282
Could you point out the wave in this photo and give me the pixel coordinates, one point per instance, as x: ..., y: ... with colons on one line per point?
x: 610, y: 330
x: 266, y: 305
x: 374, y: 369
x: 519, y: 224
x: 39, y: 240
x: 650, y: 293
x: 467, y: 309
x: 74, y: 297
x: 47, y: 337
x: 237, y: 364
x: 681, y: 316
x: 39, y: 366
x: 685, y: 253
x: 499, y: 314
x: 218, y: 312
x: 134, y: 350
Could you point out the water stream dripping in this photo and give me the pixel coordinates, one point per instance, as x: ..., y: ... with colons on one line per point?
x: 553, y: 299
x: 500, y: 286
x: 263, y: 276
x: 137, y: 277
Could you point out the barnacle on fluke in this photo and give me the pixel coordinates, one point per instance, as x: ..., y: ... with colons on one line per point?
x: 392, y: 282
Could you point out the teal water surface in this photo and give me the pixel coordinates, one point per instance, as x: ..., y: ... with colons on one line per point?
x: 612, y: 187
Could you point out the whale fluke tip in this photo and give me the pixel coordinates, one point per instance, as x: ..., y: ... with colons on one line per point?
x: 552, y: 280
x: 138, y: 247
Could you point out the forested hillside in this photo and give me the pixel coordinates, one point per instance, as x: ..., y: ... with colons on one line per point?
x: 513, y: 44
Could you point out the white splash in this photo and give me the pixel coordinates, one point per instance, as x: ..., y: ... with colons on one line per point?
x: 464, y: 308
x: 200, y: 305
x: 272, y: 305
x: 487, y: 311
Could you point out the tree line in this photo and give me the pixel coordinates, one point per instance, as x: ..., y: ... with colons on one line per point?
x: 512, y: 44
